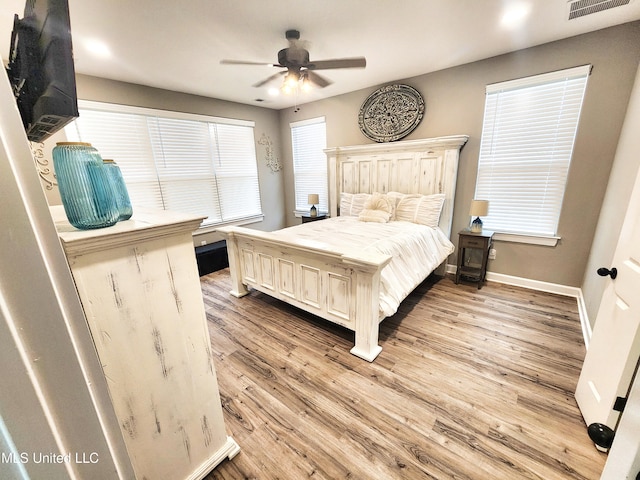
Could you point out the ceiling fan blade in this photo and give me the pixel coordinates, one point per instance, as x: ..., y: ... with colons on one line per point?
x: 318, y: 80
x: 269, y: 79
x: 242, y: 62
x: 355, y: 62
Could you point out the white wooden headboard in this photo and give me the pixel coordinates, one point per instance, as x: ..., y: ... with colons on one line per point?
x: 424, y: 166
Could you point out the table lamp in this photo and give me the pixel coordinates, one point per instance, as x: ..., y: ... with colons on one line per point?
x: 479, y: 208
x: 312, y: 200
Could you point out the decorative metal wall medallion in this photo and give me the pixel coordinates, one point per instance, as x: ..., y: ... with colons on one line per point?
x: 391, y: 113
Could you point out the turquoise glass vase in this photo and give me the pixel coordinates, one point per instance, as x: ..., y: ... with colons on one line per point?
x: 85, y: 188
x: 123, y: 202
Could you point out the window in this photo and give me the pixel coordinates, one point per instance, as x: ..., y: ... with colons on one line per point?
x: 527, y: 142
x: 175, y: 161
x: 309, y: 139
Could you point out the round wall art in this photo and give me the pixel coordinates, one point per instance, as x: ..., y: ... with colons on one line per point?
x: 391, y: 113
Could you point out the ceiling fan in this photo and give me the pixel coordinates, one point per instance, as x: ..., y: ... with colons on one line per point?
x: 299, y: 69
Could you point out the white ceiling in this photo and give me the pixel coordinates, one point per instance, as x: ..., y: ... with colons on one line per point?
x: 178, y: 44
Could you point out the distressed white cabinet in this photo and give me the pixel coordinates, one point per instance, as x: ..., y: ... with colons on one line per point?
x: 139, y: 286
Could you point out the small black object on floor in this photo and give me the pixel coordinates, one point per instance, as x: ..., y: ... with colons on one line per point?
x: 212, y: 257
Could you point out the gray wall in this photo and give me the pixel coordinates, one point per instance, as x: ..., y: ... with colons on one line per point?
x: 455, y: 105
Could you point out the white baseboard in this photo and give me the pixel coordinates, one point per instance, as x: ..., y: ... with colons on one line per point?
x: 556, y: 288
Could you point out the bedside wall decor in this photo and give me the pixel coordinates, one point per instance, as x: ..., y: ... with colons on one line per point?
x: 272, y: 161
x: 391, y: 113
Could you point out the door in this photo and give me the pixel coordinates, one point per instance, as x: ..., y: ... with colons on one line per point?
x: 614, y: 351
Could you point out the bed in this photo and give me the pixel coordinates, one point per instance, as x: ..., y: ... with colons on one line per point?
x: 342, y: 281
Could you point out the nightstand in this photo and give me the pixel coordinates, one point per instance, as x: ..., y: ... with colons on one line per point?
x: 468, y: 240
x: 307, y: 218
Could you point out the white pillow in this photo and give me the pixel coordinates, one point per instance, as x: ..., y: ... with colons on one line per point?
x: 351, y: 204
x: 421, y: 209
x: 371, y: 215
x: 379, y: 201
x: 378, y: 208
x: 394, y: 198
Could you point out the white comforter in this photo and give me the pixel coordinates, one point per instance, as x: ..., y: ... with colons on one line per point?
x: 416, y: 250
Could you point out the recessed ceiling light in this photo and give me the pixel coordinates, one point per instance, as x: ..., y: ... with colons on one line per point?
x: 97, y: 47
x: 515, y: 14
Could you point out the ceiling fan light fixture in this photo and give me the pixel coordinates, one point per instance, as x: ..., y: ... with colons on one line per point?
x: 295, y: 82
x: 305, y: 83
x: 292, y: 79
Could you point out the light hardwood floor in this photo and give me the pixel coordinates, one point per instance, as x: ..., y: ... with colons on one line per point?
x: 470, y: 384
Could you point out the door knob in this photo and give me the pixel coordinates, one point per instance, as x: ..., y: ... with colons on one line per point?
x: 603, y: 272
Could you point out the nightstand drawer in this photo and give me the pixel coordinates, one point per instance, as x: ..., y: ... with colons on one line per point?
x: 470, y: 242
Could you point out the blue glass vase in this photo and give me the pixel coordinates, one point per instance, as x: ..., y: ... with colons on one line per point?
x: 85, y: 189
x: 120, y: 191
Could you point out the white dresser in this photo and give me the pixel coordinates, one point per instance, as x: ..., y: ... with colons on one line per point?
x: 139, y: 286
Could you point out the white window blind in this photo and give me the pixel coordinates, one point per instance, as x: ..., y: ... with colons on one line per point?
x: 174, y: 161
x: 309, y: 139
x: 527, y: 143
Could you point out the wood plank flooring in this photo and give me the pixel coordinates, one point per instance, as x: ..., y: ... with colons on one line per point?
x: 470, y: 384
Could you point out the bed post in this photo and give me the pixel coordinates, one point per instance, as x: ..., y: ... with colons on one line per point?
x: 366, y: 308
x: 332, y: 167
x: 238, y: 289
x: 367, y: 320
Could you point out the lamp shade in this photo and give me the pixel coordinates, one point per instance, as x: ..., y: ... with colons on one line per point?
x: 479, y: 208
x: 313, y: 199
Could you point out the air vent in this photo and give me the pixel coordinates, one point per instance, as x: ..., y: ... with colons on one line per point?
x: 580, y: 8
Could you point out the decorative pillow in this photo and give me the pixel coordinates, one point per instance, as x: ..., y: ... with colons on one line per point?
x: 351, y: 204
x: 379, y: 201
x: 422, y: 209
x: 368, y: 215
x: 394, y: 198
x: 378, y: 208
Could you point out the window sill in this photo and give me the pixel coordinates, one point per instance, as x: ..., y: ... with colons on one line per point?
x: 530, y: 239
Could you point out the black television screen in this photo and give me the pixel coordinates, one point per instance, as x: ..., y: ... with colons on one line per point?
x: 41, y: 70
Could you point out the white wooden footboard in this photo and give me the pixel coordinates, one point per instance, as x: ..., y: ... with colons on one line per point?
x: 341, y: 288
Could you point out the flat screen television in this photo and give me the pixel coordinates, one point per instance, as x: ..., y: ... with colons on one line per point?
x: 41, y: 70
